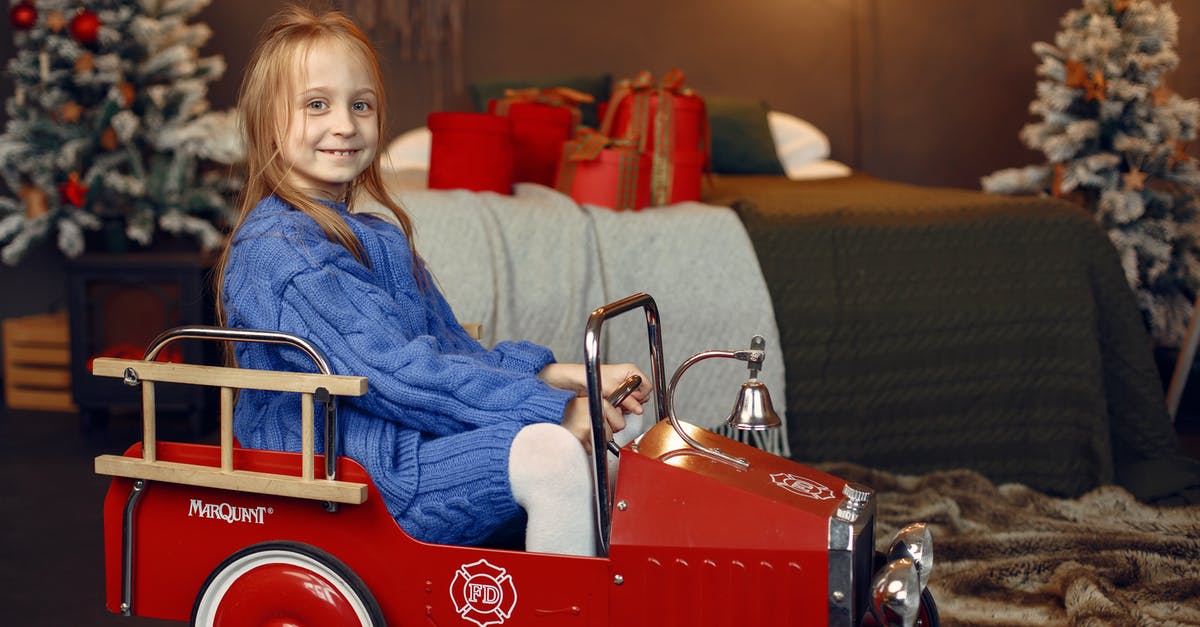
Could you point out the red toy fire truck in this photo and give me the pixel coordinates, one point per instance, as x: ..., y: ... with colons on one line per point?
x: 700, y: 529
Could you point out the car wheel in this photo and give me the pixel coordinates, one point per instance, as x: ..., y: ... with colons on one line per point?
x: 284, y: 583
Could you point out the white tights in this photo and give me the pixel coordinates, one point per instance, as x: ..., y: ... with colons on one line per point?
x: 551, y: 478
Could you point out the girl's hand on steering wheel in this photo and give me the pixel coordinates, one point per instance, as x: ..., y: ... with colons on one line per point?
x: 574, y: 377
x: 578, y: 420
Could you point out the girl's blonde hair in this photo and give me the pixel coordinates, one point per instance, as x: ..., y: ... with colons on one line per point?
x: 267, y: 86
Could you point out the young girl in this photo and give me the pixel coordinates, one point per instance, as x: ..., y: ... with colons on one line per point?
x: 459, y: 439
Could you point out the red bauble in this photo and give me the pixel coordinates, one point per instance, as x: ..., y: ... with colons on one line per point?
x: 74, y: 191
x: 23, y: 16
x: 85, y: 27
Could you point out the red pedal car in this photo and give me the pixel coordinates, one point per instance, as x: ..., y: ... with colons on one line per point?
x: 700, y: 529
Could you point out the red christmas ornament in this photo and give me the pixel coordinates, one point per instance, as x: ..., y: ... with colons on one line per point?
x: 23, y: 16
x: 74, y: 191
x: 85, y: 27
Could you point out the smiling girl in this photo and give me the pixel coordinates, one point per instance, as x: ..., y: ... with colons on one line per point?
x: 460, y: 440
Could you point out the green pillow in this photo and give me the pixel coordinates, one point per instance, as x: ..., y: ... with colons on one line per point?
x: 599, y: 86
x: 741, y: 139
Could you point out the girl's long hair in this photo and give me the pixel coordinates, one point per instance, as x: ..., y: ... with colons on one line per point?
x: 263, y: 101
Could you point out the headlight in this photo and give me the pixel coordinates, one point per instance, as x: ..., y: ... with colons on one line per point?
x: 896, y: 594
x: 915, y: 542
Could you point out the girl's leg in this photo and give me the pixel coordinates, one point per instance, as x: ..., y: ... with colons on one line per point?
x: 551, y: 479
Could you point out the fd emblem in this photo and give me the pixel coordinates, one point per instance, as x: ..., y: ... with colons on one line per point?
x: 483, y: 594
x: 802, y: 486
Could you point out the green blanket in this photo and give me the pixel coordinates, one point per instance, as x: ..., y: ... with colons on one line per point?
x: 928, y: 329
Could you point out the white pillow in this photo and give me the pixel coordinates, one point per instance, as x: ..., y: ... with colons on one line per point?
x: 820, y: 169
x: 796, y: 142
x: 409, y: 151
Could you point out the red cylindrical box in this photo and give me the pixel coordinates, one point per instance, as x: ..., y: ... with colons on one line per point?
x: 472, y: 151
x: 618, y: 179
x: 539, y: 132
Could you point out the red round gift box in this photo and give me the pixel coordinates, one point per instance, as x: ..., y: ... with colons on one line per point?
x: 539, y: 132
x: 472, y: 151
x: 598, y: 182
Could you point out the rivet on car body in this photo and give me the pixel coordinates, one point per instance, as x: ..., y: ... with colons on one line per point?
x: 838, y: 595
x: 622, y: 505
x: 618, y: 579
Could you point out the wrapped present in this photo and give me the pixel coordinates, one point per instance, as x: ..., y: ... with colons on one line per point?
x: 668, y: 121
x: 472, y: 151
x: 542, y: 121
x: 634, y: 111
x: 598, y: 170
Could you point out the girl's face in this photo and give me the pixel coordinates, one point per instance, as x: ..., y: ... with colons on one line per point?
x: 333, y: 124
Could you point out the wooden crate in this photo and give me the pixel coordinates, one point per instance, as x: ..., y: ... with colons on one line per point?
x: 37, y: 363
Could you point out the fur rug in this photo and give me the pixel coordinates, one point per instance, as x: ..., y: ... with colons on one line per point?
x: 1007, y: 555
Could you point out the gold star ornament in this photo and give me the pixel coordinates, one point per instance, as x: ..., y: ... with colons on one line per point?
x: 1161, y: 95
x: 35, y: 201
x: 70, y: 112
x: 56, y: 21
x: 1094, y: 89
x: 1134, y: 179
x: 85, y: 62
x: 1076, y: 74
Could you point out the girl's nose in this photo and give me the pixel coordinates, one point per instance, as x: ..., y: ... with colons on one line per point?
x: 344, y: 123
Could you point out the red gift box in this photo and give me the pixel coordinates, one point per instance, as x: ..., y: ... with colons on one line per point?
x: 472, y: 151
x: 542, y: 121
x: 538, y: 134
x: 688, y: 173
x: 675, y: 135
x: 634, y: 111
x: 597, y: 170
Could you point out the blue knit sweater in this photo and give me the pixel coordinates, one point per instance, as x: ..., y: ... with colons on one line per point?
x: 436, y: 424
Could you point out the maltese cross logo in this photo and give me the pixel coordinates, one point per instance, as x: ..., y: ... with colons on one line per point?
x: 483, y: 593
x: 802, y: 486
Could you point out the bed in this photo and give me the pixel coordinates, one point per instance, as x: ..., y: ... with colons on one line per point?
x: 916, y: 329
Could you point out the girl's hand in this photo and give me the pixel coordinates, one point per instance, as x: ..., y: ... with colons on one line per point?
x: 577, y: 419
x: 574, y: 377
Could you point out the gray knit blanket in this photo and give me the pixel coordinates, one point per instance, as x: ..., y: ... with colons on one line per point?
x: 534, y: 265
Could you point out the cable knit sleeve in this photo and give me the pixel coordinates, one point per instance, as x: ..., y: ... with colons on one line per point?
x: 522, y: 356
x: 306, y: 285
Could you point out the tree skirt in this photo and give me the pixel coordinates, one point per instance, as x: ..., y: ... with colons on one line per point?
x: 1008, y: 555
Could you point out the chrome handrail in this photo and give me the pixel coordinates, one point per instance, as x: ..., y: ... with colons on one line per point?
x: 591, y: 356
x: 206, y: 332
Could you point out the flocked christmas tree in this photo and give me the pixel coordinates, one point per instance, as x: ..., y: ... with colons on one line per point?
x: 1115, y: 139
x: 109, y: 126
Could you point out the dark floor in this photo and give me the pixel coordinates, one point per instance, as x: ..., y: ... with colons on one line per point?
x: 50, y: 539
x: 50, y: 535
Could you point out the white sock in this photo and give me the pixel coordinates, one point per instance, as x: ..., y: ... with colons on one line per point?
x: 550, y: 477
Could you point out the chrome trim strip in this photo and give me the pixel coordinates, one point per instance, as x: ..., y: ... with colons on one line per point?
x: 846, y: 528
x: 127, y: 524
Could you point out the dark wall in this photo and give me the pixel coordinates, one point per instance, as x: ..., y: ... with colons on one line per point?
x: 930, y: 92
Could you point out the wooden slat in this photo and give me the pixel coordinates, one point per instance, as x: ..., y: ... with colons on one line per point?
x: 473, y: 330
x: 239, y: 480
x: 41, y: 400
x: 39, y: 377
x: 43, y: 329
x: 242, y: 378
x: 38, y: 355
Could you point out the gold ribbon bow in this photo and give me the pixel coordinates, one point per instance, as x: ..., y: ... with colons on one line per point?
x: 553, y: 96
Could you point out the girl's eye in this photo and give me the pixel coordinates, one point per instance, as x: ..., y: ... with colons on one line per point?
x: 317, y: 105
x: 361, y: 106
